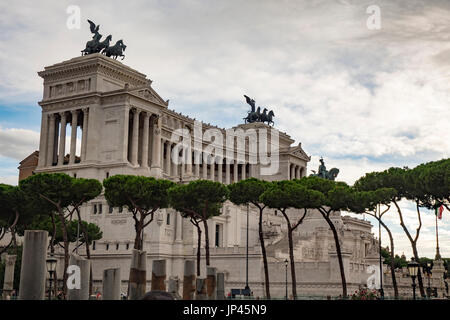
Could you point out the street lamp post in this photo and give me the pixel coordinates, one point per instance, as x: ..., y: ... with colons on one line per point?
x: 51, y: 267
x: 413, y: 268
x: 286, y: 267
x: 247, y: 288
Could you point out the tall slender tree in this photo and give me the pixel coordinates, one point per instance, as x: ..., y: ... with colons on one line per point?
x: 283, y: 195
x: 246, y: 192
x: 336, y: 197
x: 369, y: 202
x: 199, y: 200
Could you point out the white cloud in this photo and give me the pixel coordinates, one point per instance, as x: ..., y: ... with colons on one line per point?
x: 18, y: 143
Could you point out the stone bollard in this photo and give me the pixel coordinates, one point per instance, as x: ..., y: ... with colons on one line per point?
x: 211, y: 282
x: 138, y: 275
x: 33, y: 269
x: 200, y: 289
x: 8, y: 283
x: 189, y: 280
x: 111, y: 284
x: 220, y: 286
x: 159, y: 275
x: 173, y: 287
x: 85, y: 269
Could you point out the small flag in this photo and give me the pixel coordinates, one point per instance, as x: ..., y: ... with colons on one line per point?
x: 441, y: 209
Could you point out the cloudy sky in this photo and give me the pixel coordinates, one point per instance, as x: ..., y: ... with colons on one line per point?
x: 365, y: 99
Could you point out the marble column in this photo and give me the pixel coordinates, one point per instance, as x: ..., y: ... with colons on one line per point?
x: 167, y: 160
x: 33, y: 269
x: 42, y: 161
x: 135, y: 138
x: 51, y: 139
x: 292, y: 176
x: 156, y: 148
x: 227, y: 172
x: 179, y: 227
x: 211, y: 282
x: 84, y: 134
x: 243, y: 167
x: 197, y: 164
x: 212, y: 173
x: 111, y: 284
x: 189, y: 162
x: 205, y: 171
x: 62, y: 139
x: 188, y: 280
x: 85, y: 269
x: 297, y: 172
x: 144, y: 159
x: 174, y: 166
x: 235, y: 172
x: 219, y: 171
x: 8, y: 281
x: 159, y: 275
x: 73, y: 137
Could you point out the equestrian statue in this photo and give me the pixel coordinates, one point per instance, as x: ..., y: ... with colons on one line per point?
x: 324, y: 173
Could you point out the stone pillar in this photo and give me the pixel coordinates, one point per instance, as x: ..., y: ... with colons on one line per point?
x: 200, y: 289
x: 220, y: 286
x: 174, y: 166
x: 159, y: 275
x: 51, y: 140
x: 297, y: 172
x: 84, y: 134
x: 42, y: 161
x: 219, y: 171
x: 235, y: 172
x: 189, y: 162
x: 197, y: 164
x: 138, y: 275
x: 73, y: 137
x: 173, y: 287
x: 211, y: 282
x: 156, y: 154
x: 292, y: 171
x: 204, y: 170
x: 243, y: 169
x: 167, y: 160
x: 111, y: 284
x: 179, y: 227
x: 144, y: 159
x: 188, y: 280
x: 135, y: 138
x: 85, y: 269
x: 227, y: 173
x: 8, y: 283
x: 33, y: 270
x: 437, y: 277
x: 212, y: 173
x: 62, y: 139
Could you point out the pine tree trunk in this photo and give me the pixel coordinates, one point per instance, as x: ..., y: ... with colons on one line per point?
x: 264, y: 254
x: 199, y: 244
x: 339, y: 253
x: 66, y: 252
x: 205, y: 225
x: 392, y: 264
x: 291, y: 258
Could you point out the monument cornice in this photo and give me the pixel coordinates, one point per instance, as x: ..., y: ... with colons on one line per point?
x: 70, y: 102
x: 90, y: 65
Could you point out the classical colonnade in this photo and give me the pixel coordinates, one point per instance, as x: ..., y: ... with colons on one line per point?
x: 53, y: 137
x: 296, y: 171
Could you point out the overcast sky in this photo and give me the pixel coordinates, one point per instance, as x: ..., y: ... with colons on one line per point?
x: 363, y: 99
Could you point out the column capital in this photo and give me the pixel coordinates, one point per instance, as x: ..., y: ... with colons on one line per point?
x: 85, y: 109
x: 136, y: 110
x: 62, y: 114
x: 74, y: 112
x: 52, y: 115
